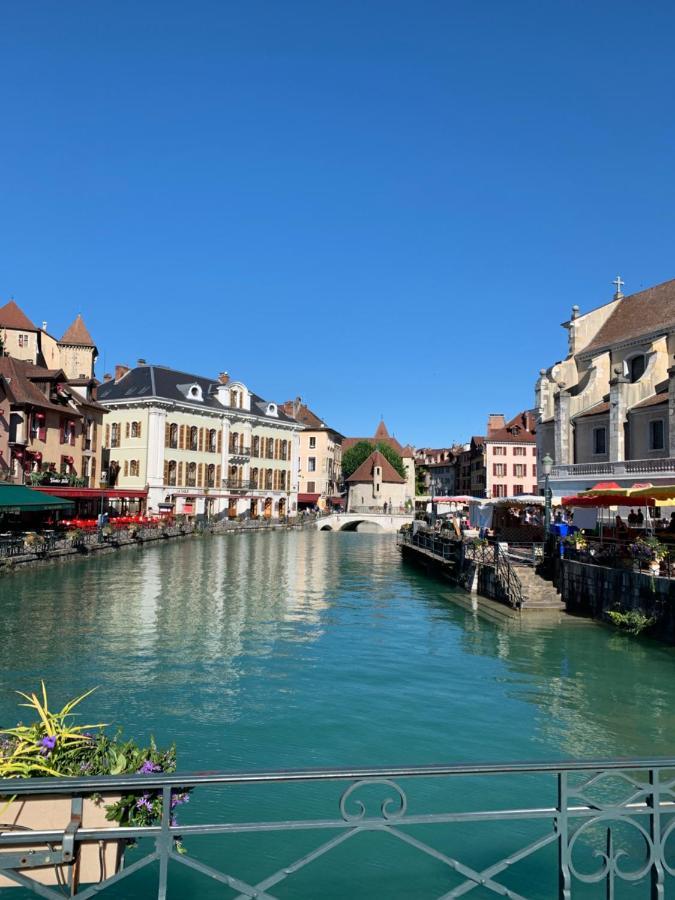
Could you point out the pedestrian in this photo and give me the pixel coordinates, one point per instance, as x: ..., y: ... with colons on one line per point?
x: 385, y: 507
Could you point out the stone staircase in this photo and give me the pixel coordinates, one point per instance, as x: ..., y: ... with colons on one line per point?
x: 538, y: 593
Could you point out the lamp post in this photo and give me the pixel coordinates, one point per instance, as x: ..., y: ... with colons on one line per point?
x: 546, y: 466
x: 433, y: 508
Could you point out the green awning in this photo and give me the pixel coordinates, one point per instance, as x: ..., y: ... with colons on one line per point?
x: 25, y: 499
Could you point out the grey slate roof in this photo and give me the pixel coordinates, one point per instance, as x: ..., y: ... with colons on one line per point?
x: 145, y: 382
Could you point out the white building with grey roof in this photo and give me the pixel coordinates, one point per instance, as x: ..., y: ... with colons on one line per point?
x: 200, y: 446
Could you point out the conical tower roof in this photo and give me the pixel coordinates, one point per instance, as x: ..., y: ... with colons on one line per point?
x: 12, y: 316
x: 78, y: 334
x: 381, y: 431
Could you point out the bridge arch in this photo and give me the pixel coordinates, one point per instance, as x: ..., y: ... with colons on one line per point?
x: 354, y: 525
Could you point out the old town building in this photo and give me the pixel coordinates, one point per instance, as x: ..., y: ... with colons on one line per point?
x: 406, y: 453
x: 511, y: 455
x: 202, y: 446
x: 437, y: 470
x: 376, y: 486
x: 320, y: 458
x: 607, y: 410
x: 53, y: 431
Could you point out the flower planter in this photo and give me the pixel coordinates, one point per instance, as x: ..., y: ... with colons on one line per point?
x: 94, y: 862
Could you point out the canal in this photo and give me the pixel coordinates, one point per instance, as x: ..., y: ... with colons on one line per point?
x: 304, y: 649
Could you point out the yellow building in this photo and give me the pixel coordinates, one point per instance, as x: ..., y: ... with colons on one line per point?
x: 320, y: 458
x: 202, y: 446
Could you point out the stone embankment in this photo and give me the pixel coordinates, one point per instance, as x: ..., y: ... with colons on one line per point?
x: 32, y: 551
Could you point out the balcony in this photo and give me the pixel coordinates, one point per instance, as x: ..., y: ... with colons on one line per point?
x: 628, y: 468
x: 234, y: 484
x: 240, y: 452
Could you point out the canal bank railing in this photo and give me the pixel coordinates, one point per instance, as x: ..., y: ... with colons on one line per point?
x: 547, y: 830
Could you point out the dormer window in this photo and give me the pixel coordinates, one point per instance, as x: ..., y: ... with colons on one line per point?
x: 636, y: 367
x: 195, y: 392
x: 272, y: 409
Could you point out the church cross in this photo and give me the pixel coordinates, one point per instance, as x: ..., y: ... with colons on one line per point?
x: 619, y: 283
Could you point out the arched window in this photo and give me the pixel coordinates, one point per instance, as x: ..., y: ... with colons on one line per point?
x: 135, y: 429
x: 173, y: 436
x: 172, y: 472
x: 235, y: 399
x: 234, y: 442
x: 636, y: 367
x: 269, y: 475
x: 284, y: 449
x: 212, y: 440
x: 270, y: 448
x: 255, y: 451
x: 114, y: 435
x: 192, y: 474
x: 282, y: 480
x: 211, y: 476
x: 254, y: 478
x: 194, y: 438
x: 133, y: 468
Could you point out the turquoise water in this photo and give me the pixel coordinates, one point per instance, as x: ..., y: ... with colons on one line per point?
x: 287, y: 650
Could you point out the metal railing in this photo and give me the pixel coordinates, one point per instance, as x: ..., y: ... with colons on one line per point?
x: 235, y: 484
x: 379, y: 510
x: 508, y: 579
x: 239, y: 451
x: 606, y: 821
x: 445, y: 549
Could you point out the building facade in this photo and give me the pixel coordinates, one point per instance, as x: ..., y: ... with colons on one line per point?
x: 319, y: 458
x: 607, y: 410
x: 54, y: 428
x: 201, y: 446
x: 437, y: 470
x: 510, y: 457
x: 376, y: 486
x: 406, y: 453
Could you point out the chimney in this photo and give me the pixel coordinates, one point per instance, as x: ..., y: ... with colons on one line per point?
x: 107, y: 377
x: 141, y: 362
x: 297, y: 403
x: 223, y: 377
x: 120, y: 372
x: 44, y: 326
x: 495, y: 421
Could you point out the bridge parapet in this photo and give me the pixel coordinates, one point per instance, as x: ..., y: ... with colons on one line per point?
x: 350, y: 521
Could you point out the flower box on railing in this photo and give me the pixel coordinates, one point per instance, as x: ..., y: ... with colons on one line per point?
x: 92, y: 863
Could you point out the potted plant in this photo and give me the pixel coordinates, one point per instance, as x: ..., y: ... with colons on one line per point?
x: 54, y: 746
x: 36, y: 543
x: 650, y: 551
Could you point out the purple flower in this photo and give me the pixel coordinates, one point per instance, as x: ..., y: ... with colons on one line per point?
x: 148, y: 768
x: 178, y: 799
x: 144, y: 803
x: 48, y: 743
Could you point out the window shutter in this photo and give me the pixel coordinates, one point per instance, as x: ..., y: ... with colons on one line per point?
x: 181, y: 441
x: 217, y: 476
x: 179, y: 479
x: 201, y: 440
x: 167, y: 433
x: 166, y: 471
x: 220, y: 442
x: 107, y: 435
x: 126, y: 467
x: 200, y: 475
x: 126, y: 430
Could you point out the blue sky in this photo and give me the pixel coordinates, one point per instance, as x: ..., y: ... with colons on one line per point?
x: 385, y: 207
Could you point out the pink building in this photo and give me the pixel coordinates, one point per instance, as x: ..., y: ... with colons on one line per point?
x: 511, y: 455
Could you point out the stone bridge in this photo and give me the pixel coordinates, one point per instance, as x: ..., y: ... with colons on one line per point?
x: 364, y: 521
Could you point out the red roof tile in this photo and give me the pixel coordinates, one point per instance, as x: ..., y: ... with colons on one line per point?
x: 654, y: 400
x: 596, y: 410
x: 364, y: 473
x: 11, y: 316
x: 78, y: 334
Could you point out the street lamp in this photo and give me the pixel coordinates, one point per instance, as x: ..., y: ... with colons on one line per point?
x: 546, y: 467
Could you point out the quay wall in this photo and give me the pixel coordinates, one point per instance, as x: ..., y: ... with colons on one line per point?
x: 150, y: 536
x: 594, y: 591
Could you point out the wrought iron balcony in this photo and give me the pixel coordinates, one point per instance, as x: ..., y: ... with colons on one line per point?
x: 551, y: 829
x: 628, y: 468
x: 234, y: 484
x: 242, y: 452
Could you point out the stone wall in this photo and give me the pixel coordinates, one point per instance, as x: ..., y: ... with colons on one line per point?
x: 595, y: 590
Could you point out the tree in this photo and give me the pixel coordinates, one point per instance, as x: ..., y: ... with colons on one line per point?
x: 359, y: 453
x: 352, y: 458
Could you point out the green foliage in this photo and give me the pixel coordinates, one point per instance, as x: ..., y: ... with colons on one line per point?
x: 359, y: 453
x: 54, y: 746
x: 633, y: 621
